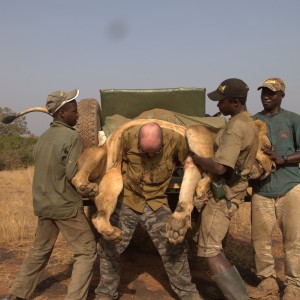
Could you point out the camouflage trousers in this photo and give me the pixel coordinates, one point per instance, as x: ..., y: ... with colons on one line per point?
x: 174, y: 257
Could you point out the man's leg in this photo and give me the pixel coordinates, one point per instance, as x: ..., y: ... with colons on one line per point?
x: 109, y: 252
x: 288, y: 212
x: 78, y: 233
x: 263, y: 224
x: 174, y: 257
x: 215, y: 220
x: 37, y: 259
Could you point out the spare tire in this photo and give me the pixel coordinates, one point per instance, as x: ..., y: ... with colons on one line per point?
x: 88, y: 125
x: 89, y: 121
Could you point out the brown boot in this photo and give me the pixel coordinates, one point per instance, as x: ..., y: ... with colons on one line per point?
x: 268, y: 286
x: 291, y: 292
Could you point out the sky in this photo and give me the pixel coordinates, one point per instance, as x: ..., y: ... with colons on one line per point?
x: 138, y: 44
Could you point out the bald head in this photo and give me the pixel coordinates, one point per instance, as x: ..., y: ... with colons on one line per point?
x: 150, y: 138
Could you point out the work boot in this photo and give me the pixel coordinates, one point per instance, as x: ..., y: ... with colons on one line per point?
x: 195, y: 296
x: 213, y: 292
x: 291, y: 292
x: 231, y: 284
x: 268, y: 286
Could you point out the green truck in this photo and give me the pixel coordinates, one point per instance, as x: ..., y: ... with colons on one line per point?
x: 116, y: 106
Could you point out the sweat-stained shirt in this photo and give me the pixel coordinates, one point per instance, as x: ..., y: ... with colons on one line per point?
x: 56, y: 154
x: 146, y: 179
x: 236, y: 145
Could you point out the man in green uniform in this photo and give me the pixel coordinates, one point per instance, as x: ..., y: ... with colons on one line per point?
x: 276, y: 199
x: 235, y: 150
x: 56, y: 202
x: 150, y: 154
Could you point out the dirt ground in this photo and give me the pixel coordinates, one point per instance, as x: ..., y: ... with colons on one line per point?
x: 142, y: 274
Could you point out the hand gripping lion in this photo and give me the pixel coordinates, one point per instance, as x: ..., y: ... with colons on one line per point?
x: 99, y: 174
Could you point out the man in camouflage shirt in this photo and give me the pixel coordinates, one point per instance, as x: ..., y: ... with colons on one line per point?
x: 150, y: 154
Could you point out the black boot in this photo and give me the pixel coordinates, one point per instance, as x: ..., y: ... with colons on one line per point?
x: 231, y: 284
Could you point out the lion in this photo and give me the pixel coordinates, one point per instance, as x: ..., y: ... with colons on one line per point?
x: 99, y: 174
x: 102, y: 165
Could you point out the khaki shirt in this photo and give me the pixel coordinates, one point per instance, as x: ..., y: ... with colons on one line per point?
x: 236, y: 146
x: 56, y: 154
x: 146, y: 179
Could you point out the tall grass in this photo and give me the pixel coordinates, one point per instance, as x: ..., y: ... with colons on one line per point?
x: 17, y: 221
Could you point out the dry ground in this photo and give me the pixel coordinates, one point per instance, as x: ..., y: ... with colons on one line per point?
x: 143, y: 276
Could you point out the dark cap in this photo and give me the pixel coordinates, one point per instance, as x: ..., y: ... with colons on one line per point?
x: 274, y: 84
x: 230, y: 88
x: 58, y: 99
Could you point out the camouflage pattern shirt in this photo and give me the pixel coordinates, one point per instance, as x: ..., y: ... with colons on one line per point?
x: 146, y: 179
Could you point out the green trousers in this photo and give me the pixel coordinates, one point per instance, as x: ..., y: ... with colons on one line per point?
x: 77, y: 232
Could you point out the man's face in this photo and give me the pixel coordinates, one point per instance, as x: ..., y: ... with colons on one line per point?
x: 151, y: 150
x: 225, y: 106
x: 69, y: 113
x: 270, y: 99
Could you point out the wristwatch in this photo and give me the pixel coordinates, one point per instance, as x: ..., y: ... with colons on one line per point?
x: 285, y: 158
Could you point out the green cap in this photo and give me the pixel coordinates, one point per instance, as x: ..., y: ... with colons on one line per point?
x: 58, y: 99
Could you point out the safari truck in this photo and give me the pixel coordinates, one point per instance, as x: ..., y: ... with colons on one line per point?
x: 117, y: 106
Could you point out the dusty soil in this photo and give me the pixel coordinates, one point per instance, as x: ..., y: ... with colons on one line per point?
x: 143, y: 275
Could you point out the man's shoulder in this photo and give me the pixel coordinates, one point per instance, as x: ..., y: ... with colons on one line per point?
x: 60, y: 133
x: 290, y: 116
x: 241, y: 121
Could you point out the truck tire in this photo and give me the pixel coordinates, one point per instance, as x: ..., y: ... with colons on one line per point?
x: 88, y: 125
x: 89, y: 121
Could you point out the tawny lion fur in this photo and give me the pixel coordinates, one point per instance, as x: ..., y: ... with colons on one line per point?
x: 103, y: 166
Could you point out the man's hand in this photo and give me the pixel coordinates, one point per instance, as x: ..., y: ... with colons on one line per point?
x: 195, y: 158
x: 270, y: 151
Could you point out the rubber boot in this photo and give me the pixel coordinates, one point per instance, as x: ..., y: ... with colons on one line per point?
x: 231, y: 284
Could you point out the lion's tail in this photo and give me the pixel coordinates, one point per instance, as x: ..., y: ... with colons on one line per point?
x: 10, y: 118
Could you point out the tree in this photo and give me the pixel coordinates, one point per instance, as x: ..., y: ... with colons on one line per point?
x: 16, y: 142
x: 19, y: 126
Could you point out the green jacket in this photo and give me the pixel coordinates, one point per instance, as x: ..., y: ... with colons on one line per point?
x: 56, y: 154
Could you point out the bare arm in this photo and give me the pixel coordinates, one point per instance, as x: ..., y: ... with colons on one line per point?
x: 207, y: 163
x: 279, y: 159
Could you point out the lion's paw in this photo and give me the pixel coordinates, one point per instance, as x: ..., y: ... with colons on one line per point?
x: 108, y: 231
x: 89, y: 190
x: 177, y: 228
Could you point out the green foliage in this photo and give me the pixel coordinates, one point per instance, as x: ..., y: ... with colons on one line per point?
x: 16, y: 143
x: 19, y: 126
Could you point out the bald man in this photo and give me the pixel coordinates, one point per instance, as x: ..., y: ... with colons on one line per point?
x: 150, y: 155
